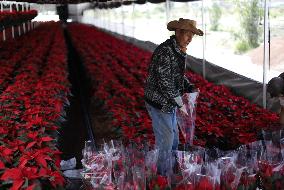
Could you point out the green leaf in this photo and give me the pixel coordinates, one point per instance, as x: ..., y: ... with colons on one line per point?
x: 37, y: 187
x: 156, y: 187
x: 252, y: 187
x: 16, y: 163
x: 241, y: 187
x: 7, y: 182
x: 23, y: 138
x: 26, y: 184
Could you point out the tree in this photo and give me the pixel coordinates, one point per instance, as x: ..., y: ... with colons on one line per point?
x: 215, y: 15
x: 250, y: 13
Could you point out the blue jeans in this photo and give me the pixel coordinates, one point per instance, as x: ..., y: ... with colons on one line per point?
x: 165, y: 128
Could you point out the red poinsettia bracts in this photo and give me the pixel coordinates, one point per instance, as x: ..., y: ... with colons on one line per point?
x: 118, y: 69
x: 32, y: 103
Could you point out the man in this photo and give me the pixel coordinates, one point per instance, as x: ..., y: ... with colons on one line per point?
x: 166, y: 83
x: 275, y: 88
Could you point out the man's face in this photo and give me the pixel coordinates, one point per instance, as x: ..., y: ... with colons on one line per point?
x: 184, y: 37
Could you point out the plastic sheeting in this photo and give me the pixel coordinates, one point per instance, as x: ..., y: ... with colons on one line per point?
x: 84, y: 1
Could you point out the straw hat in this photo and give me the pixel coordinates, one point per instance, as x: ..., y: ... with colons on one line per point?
x: 185, y: 24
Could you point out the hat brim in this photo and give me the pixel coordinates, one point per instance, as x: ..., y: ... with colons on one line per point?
x: 173, y: 25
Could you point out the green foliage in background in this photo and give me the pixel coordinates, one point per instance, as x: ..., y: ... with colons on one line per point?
x: 251, y: 14
x: 215, y: 14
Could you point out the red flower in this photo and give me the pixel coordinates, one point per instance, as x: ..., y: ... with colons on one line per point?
x: 117, y: 80
x: 2, y: 165
x: 265, y: 168
x: 204, y: 184
x: 185, y: 187
x: 39, y: 156
x: 6, y: 153
x: 54, y: 177
x: 19, y: 175
x: 161, y: 182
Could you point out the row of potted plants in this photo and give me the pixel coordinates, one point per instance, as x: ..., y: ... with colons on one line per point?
x: 118, y: 70
x: 14, y: 18
x: 223, y: 120
x: 32, y: 108
x: 13, y: 54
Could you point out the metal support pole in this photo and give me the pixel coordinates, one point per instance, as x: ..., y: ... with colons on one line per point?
x: 115, y: 23
x: 4, y: 34
x: 266, y: 55
x: 108, y: 15
x: 122, y: 13
x: 133, y: 20
x: 24, y: 27
x: 13, y: 31
x: 105, y: 19
x: 19, y: 30
x: 203, y: 42
x: 168, y: 11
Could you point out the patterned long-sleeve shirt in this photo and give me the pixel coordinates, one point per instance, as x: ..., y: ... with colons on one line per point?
x: 166, y: 79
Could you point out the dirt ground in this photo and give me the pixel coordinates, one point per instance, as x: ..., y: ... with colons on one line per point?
x: 101, y: 124
x: 276, y: 54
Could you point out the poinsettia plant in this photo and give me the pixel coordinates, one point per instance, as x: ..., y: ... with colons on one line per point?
x: 159, y: 183
x: 117, y: 71
x: 32, y: 102
x: 14, y: 18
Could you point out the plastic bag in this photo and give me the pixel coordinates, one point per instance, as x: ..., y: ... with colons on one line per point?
x: 187, y: 122
x: 97, y: 167
x: 190, y: 165
x: 68, y: 164
x: 75, y: 174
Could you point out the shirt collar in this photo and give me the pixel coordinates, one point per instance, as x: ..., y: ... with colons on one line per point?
x: 176, y: 47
